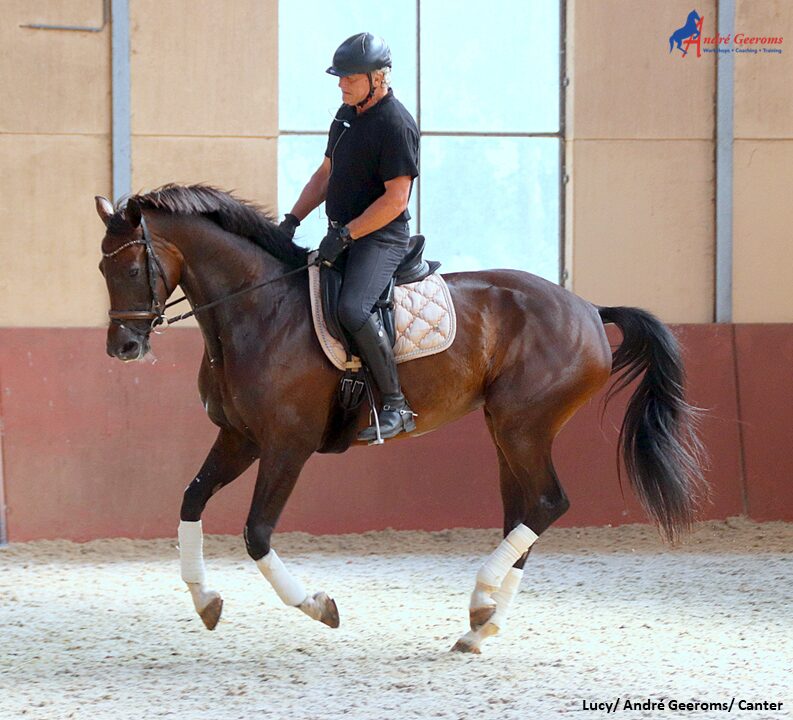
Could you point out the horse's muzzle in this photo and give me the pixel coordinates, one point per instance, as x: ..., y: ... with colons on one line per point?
x: 126, y: 344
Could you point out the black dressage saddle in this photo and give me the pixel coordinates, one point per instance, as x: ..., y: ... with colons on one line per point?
x: 412, y: 269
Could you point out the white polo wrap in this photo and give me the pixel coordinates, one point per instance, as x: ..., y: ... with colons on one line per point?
x: 288, y: 588
x: 495, y: 568
x: 191, y: 552
x: 505, y: 595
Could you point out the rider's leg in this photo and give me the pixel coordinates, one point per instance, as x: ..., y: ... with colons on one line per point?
x: 371, y: 264
x: 375, y: 348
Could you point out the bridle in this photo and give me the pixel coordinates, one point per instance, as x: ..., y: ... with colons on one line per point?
x: 154, y: 269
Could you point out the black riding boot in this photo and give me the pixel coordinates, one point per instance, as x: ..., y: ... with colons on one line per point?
x: 376, y: 351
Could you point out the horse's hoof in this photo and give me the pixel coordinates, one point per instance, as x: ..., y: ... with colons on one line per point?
x: 211, y: 613
x: 480, y: 616
x: 330, y: 612
x: 464, y: 646
x: 321, y: 607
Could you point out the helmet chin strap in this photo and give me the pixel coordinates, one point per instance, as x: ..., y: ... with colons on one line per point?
x: 371, y: 92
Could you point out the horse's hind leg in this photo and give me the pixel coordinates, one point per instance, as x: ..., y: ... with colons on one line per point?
x: 533, y: 499
x: 229, y: 457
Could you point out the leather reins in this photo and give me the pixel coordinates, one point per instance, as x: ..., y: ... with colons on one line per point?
x: 154, y: 268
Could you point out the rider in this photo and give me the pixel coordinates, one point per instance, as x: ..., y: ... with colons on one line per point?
x: 365, y: 180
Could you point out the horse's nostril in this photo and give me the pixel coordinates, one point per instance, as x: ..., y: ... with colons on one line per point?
x: 130, y: 347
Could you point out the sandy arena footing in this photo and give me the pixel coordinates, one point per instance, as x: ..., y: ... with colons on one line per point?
x: 107, y: 629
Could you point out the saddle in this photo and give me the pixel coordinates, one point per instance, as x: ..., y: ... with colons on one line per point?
x: 412, y: 269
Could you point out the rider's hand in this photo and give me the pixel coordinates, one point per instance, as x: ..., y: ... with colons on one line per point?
x: 289, y: 224
x: 334, y: 244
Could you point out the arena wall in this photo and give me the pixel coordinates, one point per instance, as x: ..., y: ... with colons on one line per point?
x: 90, y: 448
x: 640, y: 155
x: 55, y: 154
x: 763, y: 167
x: 97, y: 448
x: 206, y: 110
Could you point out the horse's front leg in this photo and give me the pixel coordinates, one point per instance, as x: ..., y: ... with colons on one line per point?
x: 229, y: 457
x: 274, y: 484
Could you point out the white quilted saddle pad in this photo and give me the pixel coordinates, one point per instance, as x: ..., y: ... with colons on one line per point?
x: 424, y: 320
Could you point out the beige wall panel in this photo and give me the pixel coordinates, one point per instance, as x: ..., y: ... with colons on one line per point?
x: 50, y: 233
x: 53, y: 81
x: 763, y: 94
x: 245, y: 165
x: 762, y: 222
x: 625, y: 82
x: 643, y: 226
x: 200, y: 67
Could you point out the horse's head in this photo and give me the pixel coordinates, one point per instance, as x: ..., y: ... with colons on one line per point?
x: 139, y: 278
x: 693, y: 17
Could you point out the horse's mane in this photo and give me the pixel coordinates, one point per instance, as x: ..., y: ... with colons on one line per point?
x: 230, y: 213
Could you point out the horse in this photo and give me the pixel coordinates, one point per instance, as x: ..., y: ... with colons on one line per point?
x: 527, y: 352
x: 690, y: 30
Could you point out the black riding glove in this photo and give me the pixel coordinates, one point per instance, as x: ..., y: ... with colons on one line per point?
x: 334, y: 244
x: 289, y: 224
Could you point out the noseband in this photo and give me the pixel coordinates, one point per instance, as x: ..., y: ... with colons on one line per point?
x: 154, y: 270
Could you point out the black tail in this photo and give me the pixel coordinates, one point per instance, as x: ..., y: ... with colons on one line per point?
x: 658, y: 438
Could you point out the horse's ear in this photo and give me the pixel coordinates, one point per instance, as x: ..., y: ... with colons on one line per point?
x: 133, y: 212
x: 104, y: 207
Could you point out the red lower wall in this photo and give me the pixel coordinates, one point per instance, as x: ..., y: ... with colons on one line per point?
x: 95, y: 448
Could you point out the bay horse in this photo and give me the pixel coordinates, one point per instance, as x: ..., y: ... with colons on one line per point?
x: 527, y: 352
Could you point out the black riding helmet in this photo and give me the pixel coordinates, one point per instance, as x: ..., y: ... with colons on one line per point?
x: 361, y: 53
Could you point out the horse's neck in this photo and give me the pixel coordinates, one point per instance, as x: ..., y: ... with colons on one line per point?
x: 215, y: 263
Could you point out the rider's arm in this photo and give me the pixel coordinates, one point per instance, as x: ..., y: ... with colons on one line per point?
x: 383, y: 210
x: 314, y: 192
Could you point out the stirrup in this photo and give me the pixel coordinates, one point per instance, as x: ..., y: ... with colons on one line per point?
x: 403, y: 427
x: 406, y: 423
x: 373, y: 411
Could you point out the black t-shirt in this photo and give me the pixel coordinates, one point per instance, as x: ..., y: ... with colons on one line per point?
x: 365, y: 150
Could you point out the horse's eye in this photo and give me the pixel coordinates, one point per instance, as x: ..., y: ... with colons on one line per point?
x: 134, y: 271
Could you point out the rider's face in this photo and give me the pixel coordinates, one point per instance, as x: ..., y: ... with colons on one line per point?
x: 354, y: 88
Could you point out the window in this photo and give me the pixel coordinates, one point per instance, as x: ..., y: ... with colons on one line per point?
x: 483, y: 86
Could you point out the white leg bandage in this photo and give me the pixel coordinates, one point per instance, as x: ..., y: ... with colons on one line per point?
x: 512, y: 547
x: 191, y: 552
x: 288, y: 588
x: 504, y: 596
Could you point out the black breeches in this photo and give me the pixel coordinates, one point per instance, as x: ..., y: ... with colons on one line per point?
x: 371, y: 263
